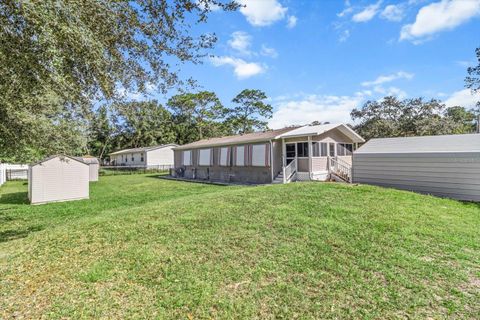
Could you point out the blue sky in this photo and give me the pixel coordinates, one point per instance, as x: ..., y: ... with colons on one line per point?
x: 317, y: 60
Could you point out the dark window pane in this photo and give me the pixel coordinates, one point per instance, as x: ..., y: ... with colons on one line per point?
x: 302, y: 149
x: 348, y: 149
x: 324, y: 149
x: 290, y: 150
x: 332, y: 149
x: 316, y: 149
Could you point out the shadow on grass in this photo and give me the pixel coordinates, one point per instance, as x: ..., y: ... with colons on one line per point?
x: 9, y: 235
x: 14, y: 198
x: 471, y: 204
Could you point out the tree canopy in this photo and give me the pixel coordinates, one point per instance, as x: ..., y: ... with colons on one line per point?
x: 59, y: 57
x: 250, y: 111
x: 472, y: 81
x: 392, y: 117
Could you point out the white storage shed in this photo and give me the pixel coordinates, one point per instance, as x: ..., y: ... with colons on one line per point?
x: 93, y: 165
x: 58, y: 178
x: 447, y: 165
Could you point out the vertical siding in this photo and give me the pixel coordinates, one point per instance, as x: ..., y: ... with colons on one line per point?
x: 454, y: 175
x: 160, y: 157
x: 59, y: 180
x: 93, y: 171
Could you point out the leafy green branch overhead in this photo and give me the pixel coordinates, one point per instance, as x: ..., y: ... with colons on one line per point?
x: 63, y: 55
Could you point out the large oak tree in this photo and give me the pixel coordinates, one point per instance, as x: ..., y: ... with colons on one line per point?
x: 57, y: 57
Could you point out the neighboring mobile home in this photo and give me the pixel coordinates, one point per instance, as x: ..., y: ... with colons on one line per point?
x: 446, y: 165
x: 283, y: 155
x: 58, y: 178
x: 148, y: 157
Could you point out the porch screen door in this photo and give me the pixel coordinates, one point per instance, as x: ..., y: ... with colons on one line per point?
x: 291, y: 152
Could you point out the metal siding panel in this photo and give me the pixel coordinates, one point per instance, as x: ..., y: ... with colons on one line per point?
x: 450, y: 175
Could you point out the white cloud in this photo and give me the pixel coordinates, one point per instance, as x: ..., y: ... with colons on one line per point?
x: 241, y: 42
x: 291, y: 22
x: 368, y: 13
x: 388, y: 78
x: 262, y: 13
x: 268, y: 52
x: 314, y: 107
x: 344, y: 36
x: 463, y: 98
x: 391, y: 91
x: 440, y: 16
x: 241, y: 68
x: 211, y: 7
x: 393, y: 12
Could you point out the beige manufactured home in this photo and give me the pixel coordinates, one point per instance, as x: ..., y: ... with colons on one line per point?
x: 147, y: 157
x: 275, y: 156
x: 447, y: 165
x: 58, y: 178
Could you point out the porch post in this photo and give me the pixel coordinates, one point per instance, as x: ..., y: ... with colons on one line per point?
x: 310, y: 151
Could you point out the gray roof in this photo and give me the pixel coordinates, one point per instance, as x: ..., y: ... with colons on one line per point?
x: 236, y: 139
x: 425, y: 144
x: 142, y: 149
x: 88, y: 160
x: 322, y: 128
x: 60, y: 156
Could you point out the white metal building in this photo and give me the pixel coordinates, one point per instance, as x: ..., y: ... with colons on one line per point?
x: 447, y: 165
x: 58, y: 178
x: 148, y: 157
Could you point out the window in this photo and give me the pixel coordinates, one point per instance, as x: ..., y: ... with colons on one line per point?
x: 224, y: 156
x: 205, y: 157
x: 302, y: 149
x: 332, y: 149
x: 133, y: 159
x: 290, y: 150
x: 319, y: 149
x: 141, y: 157
x: 344, y: 149
x: 126, y: 158
x: 187, y: 158
x: 240, y: 155
x: 260, y: 155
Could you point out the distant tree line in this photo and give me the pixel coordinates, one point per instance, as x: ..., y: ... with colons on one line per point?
x: 185, y: 118
x: 391, y: 117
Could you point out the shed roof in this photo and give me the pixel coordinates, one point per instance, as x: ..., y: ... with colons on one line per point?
x: 322, y: 128
x: 424, y: 144
x: 143, y: 149
x: 237, y: 139
x: 88, y: 159
x: 59, y: 156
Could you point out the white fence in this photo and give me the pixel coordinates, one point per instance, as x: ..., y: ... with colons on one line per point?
x: 16, y: 171
x: 3, y: 173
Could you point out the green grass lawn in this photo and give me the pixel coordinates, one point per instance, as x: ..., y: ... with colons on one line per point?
x: 146, y: 248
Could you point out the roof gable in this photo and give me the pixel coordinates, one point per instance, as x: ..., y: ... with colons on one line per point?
x: 61, y: 156
x: 321, y: 129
